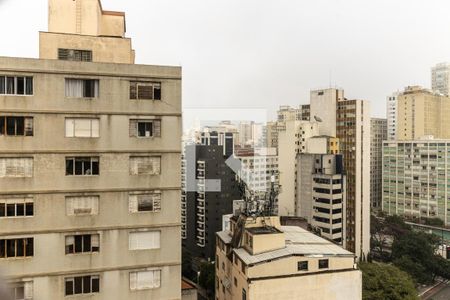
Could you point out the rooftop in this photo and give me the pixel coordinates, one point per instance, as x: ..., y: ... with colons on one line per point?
x: 262, y: 230
x: 299, y: 242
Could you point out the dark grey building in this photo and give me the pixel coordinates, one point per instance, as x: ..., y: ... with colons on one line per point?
x: 209, y: 188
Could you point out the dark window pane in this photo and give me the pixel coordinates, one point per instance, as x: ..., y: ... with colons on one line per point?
x: 10, y: 126
x: 95, y: 167
x: 10, y: 248
x: 79, y: 166
x: 95, y: 284
x: 29, y: 209
x: 145, y: 204
x: 69, y: 166
x: 141, y: 129
x: 10, y: 85
x: 2, y: 85
x: 20, y: 126
x: 87, y: 284
x: 2, y: 248
x: 2, y: 209
x: 78, y: 285
x: 157, y: 92
x: 86, y: 243
x: 29, y: 86
x: 20, y: 292
x: 89, y: 88
x: 30, y: 247
x: 78, y: 243
x: 69, y: 287
x: 20, y: 209
x: 2, y: 125
x: 323, y: 263
x: 20, y: 248
x: 11, y: 210
x: 20, y: 85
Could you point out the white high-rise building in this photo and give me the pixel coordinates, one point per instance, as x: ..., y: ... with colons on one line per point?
x: 391, y: 115
x: 440, y: 79
x: 323, y: 109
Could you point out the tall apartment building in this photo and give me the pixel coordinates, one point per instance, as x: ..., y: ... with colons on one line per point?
x: 89, y: 164
x: 391, y: 114
x: 209, y: 188
x: 353, y: 131
x: 321, y: 193
x: 323, y: 103
x: 260, y: 259
x: 292, y: 140
x: 378, y: 132
x: 415, y: 178
x: 421, y: 112
x: 440, y: 78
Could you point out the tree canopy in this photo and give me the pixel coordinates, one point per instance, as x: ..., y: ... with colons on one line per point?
x: 386, y: 282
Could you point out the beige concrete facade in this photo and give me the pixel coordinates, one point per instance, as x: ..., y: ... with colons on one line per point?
x: 420, y: 113
x: 297, y: 268
x: 123, y: 261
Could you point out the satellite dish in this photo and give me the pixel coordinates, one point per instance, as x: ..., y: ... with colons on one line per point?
x: 318, y: 119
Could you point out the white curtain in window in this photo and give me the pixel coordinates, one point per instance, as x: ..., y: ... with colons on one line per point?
x: 145, y: 165
x: 16, y: 167
x: 142, y: 280
x: 29, y: 290
x: 83, y: 128
x: 82, y: 205
x: 144, y: 240
x: 74, y: 88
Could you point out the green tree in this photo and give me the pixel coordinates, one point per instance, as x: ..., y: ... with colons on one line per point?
x: 207, y: 277
x: 186, y: 266
x: 386, y: 282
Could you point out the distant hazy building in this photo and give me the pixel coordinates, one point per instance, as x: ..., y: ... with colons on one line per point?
x: 415, y: 178
x: 421, y: 112
x: 321, y: 193
x: 353, y: 131
x: 260, y: 259
x: 208, y: 189
x: 378, y: 132
x: 440, y: 78
x: 323, y: 104
x: 391, y: 113
x: 292, y: 140
x: 89, y: 164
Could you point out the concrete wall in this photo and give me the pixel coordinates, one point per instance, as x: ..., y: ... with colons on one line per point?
x: 49, y: 185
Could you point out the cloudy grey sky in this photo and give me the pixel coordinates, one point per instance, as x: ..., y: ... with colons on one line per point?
x: 265, y: 53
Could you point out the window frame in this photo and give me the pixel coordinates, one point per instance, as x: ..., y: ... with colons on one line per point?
x: 26, y: 123
x: 301, y: 265
x: 82, y: 53
x: 82, y: 279
x: 91, y: 130
x: 156, y: 86
x: 15, y: 202
x: 24, y: 242
x: 323, y: 261
x: 71, y: 249
x: 27, y: 85
x: 84, y: 88
x: 84, y: 170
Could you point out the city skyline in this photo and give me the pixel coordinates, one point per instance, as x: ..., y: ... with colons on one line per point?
x: 274, y: 53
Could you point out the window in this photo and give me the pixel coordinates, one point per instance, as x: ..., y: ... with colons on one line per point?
x: 145, y: 128
x: 145, y: 165
x: 302, y: 266
x: 82, y: 166
x: 244, y: 294
x: 145, y: 202
x: 16, y: 167
x: 16, y: 126
x: 145, y: 90
x: 323, y: 263
x: 16, y: 248
x: 21, y: 290
x: 144, y: 240
x: 144, y: 280
x: 82, y: 285
x: 82, y: 243
x: 16, y: 207
x: 79, y: 127
x: 74, y: 55
x: 16, y: 85
x: 82, y: 88
x: 82, y: 205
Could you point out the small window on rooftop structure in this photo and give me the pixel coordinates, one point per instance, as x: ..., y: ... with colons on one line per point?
x: 323, y: 263
x: 302, y: 266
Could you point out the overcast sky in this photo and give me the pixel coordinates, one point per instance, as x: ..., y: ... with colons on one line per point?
x: 266, y: 53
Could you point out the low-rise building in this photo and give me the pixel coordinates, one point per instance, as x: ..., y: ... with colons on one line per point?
x: 260, y: 259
